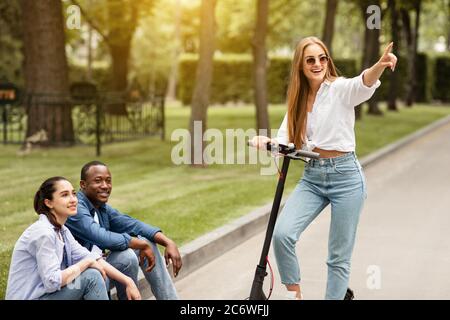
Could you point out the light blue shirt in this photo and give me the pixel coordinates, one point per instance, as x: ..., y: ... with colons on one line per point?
x: 36, y: 260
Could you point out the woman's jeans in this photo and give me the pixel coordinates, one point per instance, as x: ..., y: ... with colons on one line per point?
x: 341, y: 182
x: 89, y: 285
x: 159, y: 278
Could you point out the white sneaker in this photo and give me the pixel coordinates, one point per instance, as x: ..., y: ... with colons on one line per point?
x: 292, y: 295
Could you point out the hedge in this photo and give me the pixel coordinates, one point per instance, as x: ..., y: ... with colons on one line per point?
x: 441, y: 89
x: 235, y: 74
x: 232, y: 79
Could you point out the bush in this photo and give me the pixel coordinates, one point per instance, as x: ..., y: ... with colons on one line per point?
x: 100, y: 76
x: 232, y: 78
x: 441, y: 70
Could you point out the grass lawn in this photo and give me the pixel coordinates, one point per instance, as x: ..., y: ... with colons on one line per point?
x: 183, y: 201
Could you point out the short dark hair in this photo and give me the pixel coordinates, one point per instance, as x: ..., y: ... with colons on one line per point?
x: 86, y: 167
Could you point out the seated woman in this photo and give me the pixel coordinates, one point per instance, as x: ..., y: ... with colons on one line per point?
x: 48, y: 263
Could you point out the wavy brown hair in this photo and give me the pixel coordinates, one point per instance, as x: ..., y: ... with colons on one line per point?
x: 298, y: 90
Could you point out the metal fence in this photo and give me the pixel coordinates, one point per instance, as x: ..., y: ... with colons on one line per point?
x: 95, y: 120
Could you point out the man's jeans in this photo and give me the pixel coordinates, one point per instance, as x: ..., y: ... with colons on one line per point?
x: 341, y: 182
x: 127, y: 262
x: 89, y: 285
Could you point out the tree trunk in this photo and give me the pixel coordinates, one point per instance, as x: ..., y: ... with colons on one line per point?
x: 370, y: 54
x: 120, y: 53
x: 46, y: 71
x: 260, y: 66
x: 411, y: 97
x: 328, y: 29
x: 448, y: 25
x: 119, y: 38
x: 393, y: 85
x: 203, y: 79
x: 171, y: 93
x: 89, y: 48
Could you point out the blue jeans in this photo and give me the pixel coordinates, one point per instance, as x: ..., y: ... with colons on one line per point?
x: 89, y: 285
x: 341, y: 182
x: 159, y: 279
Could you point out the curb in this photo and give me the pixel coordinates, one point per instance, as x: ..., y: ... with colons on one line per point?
x: 215, y: 243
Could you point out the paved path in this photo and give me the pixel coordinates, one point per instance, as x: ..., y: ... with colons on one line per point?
x: 403, y: 236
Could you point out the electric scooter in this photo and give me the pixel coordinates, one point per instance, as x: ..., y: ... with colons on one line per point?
x: 288, y: 152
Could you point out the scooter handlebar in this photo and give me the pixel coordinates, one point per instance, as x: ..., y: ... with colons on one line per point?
x: 288, y: 150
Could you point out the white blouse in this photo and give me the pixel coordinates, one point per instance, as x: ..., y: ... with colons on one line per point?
x: 330, y: 125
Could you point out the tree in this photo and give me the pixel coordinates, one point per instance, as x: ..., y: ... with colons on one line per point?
x: 412, y: 38
x: 46, y: 71
x: 448, y: 25
x: 116, y: 21
x: 260, y: 65
x: 370, y: 53
x: 173, y: 77
x: 203, y: 79
x: 236, y: 21
x: 395, y: 36
x: 328, y: 28
x: 11, y: 42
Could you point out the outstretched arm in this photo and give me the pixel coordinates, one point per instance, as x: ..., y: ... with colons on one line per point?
x: 388, y: 59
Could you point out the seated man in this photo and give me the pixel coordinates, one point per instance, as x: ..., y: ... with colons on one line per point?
x: 131, y: 243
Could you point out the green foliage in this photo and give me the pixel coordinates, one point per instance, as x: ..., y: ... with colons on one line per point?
x: 152, y: 61
x: 232, y: 78
x: 346, y: 67
x: 401, y: 71
x: 100, y: 75
x: 11, y: 56
x: 424, y: 78
x: 442, y: 72
x: 277, y: 79
x: 429, y: 83
x: 235, y: 25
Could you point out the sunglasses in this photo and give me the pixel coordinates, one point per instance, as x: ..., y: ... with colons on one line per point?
x: 310, y: 61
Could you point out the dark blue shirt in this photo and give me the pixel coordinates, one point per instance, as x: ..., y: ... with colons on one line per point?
x: 114, y: 230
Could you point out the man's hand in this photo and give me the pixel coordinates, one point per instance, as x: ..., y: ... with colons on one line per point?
x: 172, y: 254
x: 388, y: 59
x: 147, y: 253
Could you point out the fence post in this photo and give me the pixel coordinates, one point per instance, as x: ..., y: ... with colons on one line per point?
x: 5, y: 124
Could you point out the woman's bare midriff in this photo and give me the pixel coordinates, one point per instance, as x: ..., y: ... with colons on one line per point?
x: 329, y: 153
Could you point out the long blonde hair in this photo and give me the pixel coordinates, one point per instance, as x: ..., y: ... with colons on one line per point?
x: 298, y: 90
